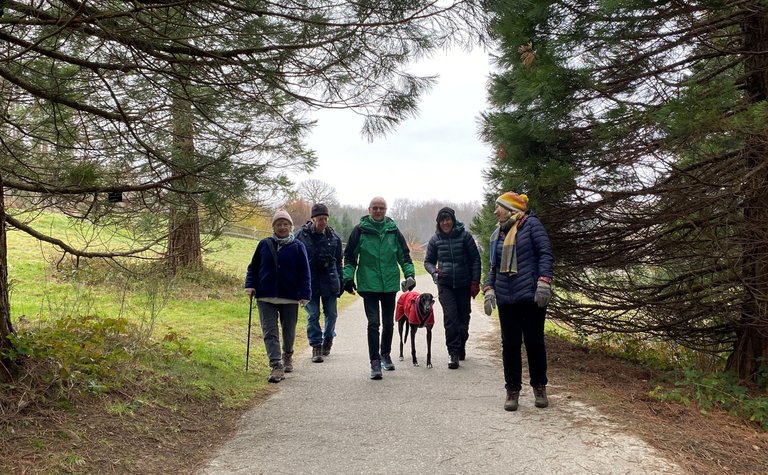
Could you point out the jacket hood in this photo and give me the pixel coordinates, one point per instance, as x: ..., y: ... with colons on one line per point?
x: 446, y: 210
x: 458, y: 226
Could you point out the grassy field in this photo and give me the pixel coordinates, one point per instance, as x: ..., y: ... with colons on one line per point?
x: 203, y: 315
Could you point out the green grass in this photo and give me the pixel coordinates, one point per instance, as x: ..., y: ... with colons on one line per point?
x: 192, y: 328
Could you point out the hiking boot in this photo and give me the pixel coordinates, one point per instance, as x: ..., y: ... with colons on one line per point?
x: 511, y: 403
x: 454, y: 362
x: 277, y: 374
x: 375, y: 369
x: 288, y: 362
x: 317, y: 354
x: 540, y: 393
x: 327, y: 344
x: 386, y: 361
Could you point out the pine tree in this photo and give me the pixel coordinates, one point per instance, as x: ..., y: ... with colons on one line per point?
x: 638, y: 128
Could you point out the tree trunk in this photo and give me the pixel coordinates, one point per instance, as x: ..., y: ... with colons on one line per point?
x: 6, y: 328
x: 184, y: 239
x: 750, y: 350
x: 184, y: 234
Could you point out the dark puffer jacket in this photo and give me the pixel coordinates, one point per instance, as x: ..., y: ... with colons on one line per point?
x: 534, y: 260
x: 324, y: 252
x: 456, y: 255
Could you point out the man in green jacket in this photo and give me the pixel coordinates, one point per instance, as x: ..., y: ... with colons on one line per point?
x: 376, y: 251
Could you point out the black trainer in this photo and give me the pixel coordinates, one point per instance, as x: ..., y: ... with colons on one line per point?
x: 375, y: 369
x: 387, y: 363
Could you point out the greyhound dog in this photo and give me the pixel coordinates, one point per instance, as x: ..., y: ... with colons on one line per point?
x: 416, y: 309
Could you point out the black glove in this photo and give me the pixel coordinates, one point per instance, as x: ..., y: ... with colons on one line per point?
x: 349, y: 286
x: 408, y: 284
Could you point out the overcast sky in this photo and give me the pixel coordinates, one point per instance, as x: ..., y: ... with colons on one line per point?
x: 437, y: 155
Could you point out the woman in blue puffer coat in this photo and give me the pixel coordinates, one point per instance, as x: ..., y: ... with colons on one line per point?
x: 519, y: 282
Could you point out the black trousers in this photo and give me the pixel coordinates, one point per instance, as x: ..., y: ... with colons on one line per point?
x: 523, y: 321
x: 457, y: 307
x: 385, y: 320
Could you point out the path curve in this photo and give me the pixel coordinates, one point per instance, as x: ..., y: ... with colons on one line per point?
x: 330, y: 418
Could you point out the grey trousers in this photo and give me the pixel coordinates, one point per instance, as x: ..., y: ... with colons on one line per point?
x: 288, y: 316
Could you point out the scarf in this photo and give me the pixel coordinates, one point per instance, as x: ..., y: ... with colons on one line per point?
x: 508, y: 250
x: 283, y: 241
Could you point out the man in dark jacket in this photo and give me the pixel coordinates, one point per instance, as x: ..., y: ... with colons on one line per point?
x: 324, y: 252
x: 453, y: 261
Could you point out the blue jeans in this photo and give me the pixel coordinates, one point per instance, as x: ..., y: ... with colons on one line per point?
x: 315, y: 333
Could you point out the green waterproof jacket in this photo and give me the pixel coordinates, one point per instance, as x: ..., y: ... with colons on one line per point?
x: 377, y: 252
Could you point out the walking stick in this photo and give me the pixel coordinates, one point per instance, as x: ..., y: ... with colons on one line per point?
x: 248, y: 345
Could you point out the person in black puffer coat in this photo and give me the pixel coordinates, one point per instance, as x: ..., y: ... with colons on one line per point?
x: 519, y: 281
x: 453, y: 260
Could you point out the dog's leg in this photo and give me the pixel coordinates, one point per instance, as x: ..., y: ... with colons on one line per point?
x: 429, y: 347
x: 400, y: 324
x: 413, y: 344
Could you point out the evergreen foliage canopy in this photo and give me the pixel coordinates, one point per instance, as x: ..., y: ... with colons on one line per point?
x: 638, y: 128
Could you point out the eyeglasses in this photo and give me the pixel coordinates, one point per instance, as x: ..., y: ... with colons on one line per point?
x: 378, y: 208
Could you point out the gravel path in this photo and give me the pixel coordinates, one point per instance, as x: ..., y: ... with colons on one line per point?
x: 330, y: 418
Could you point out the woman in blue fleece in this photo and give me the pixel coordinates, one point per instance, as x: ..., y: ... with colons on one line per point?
x: 278, y: 277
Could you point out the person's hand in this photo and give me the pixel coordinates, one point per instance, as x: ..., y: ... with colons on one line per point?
x: 349, y: 286
x: 543, y: 294
x: 250, y: 292
x: 489, y: 302
x: 436, y: 276
x: 474, y: 288
x: 303, y: 302
x: 408, y: 284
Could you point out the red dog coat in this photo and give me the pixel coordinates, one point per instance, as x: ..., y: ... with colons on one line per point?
x: 407, y: 306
